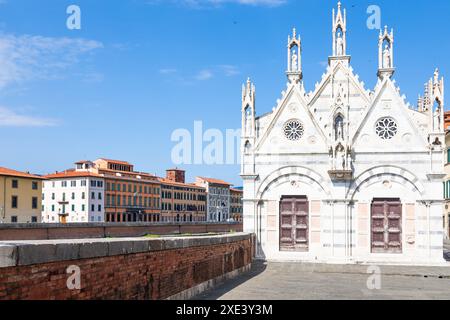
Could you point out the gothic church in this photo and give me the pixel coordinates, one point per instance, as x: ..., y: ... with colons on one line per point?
x: 343, y: 173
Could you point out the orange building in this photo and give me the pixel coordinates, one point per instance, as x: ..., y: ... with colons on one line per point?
x: 447, y: 121
x: 130, y: 196
x: 181, y: 202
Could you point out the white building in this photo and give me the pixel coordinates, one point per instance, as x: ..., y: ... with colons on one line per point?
x: 218, y: 199
x: 343, y: 173
x: 73, y: 196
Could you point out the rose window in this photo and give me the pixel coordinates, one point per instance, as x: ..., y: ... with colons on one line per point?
x: 386, y: 128
x: 294, y: 130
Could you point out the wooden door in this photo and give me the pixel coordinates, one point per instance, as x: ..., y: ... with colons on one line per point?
x: 386, y: 219
x: 294, y: 222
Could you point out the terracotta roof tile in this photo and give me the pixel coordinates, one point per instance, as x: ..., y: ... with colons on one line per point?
x: 72, y: 174
x: 215, y: 181
x: 15, y: 173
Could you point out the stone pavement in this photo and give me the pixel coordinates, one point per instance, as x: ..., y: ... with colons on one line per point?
x: 298, y: 281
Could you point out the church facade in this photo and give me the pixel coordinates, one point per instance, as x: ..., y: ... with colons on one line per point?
x: 343, y: 173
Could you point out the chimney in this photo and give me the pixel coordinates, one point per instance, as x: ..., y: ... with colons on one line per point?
x: 176, y: 175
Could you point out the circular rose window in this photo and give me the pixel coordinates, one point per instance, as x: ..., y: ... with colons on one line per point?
x: 294, y: 130
x: 386, y: 128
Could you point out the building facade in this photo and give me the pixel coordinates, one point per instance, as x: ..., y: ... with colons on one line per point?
x: 236, y: 204
x: 218, y: 199
x: 180, y: 201
x: 20, y: 197
x: 73, y: 196
x: 446, y: 209
x: 344, y: 173
x: 130, y: 196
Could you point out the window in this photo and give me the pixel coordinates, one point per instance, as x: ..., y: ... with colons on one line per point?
x: 93, y: 183
x: 34, y: 185
x: 14, y: 219
x: 15, y: 184
x: 14, y: 202
x: 73, y: 183
x: 100, y: 184
x: 34, y: 203
x: 99, y: 208
x: 73, y: 208
x: 83, y: 207
x: 63, y: 184
x: 83, y: 183
x: 92, y: 195
x: 73, y: 195
x: 293, y: 130
x: 53, y: 208
x: 34, y: 219
x: 99, y: 196
x: 83, y: 195
x: 386, y: 128
x: 448, y: 156
x: 92, y: 208
x: 53, y: 196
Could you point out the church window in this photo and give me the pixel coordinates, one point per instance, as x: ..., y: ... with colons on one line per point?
x: 294, y: 130
x: 386, y: 128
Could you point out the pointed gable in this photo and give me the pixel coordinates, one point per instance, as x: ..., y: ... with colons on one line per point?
x: 387, y: 125
x: 293, y: 107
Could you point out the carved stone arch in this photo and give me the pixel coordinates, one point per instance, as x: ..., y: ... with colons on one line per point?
x: 377, y: 172
x: 284, y: 175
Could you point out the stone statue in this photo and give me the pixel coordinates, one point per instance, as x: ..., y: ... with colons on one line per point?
x: 343, y: 160
x: 339, y: 45
x: 386, y: 57
x: 294, y: 62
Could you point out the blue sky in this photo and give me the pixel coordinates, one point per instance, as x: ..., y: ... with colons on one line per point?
x: 140, y: 69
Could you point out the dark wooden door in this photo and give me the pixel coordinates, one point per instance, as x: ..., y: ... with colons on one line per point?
x: 386, y: 226
x: 294, y: 222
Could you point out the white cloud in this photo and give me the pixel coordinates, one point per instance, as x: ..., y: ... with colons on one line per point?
x: 30, y: 57
x: 9, y: 118
x: 218, y: 3
x: 204, y: 75
x: 229, y: 70
x: 168, y: 71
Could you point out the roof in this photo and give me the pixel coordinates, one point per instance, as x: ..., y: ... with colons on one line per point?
x: 116, y: 161
x: 237, y: 190
x: 173, y: 183
x: 72, y: 174
x: 83, y: 161
x: 215, y: 181
x: 125, y: 173
x: 15, y: 173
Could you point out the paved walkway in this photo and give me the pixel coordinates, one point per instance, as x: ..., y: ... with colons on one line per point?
x: 297, y: 281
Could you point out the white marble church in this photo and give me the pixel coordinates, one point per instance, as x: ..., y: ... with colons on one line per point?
x: 344, y: 174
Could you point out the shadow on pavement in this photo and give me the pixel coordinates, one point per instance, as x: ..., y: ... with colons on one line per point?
x: 257, y: 268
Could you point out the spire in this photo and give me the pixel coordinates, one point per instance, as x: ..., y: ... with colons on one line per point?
x: 339, y: 30
x: 294, y: 58
x: 386, y: 54
x: 248, y: 109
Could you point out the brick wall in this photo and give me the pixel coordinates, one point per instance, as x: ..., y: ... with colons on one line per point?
x: 102, y: 230
x: 168, y: 267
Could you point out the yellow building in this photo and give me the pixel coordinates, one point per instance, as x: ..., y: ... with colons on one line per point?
x: 20, y: 197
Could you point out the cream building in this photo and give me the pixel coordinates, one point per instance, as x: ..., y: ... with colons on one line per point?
x: 73, y: 196
x: 345, y: 173
x: 20, y: 197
